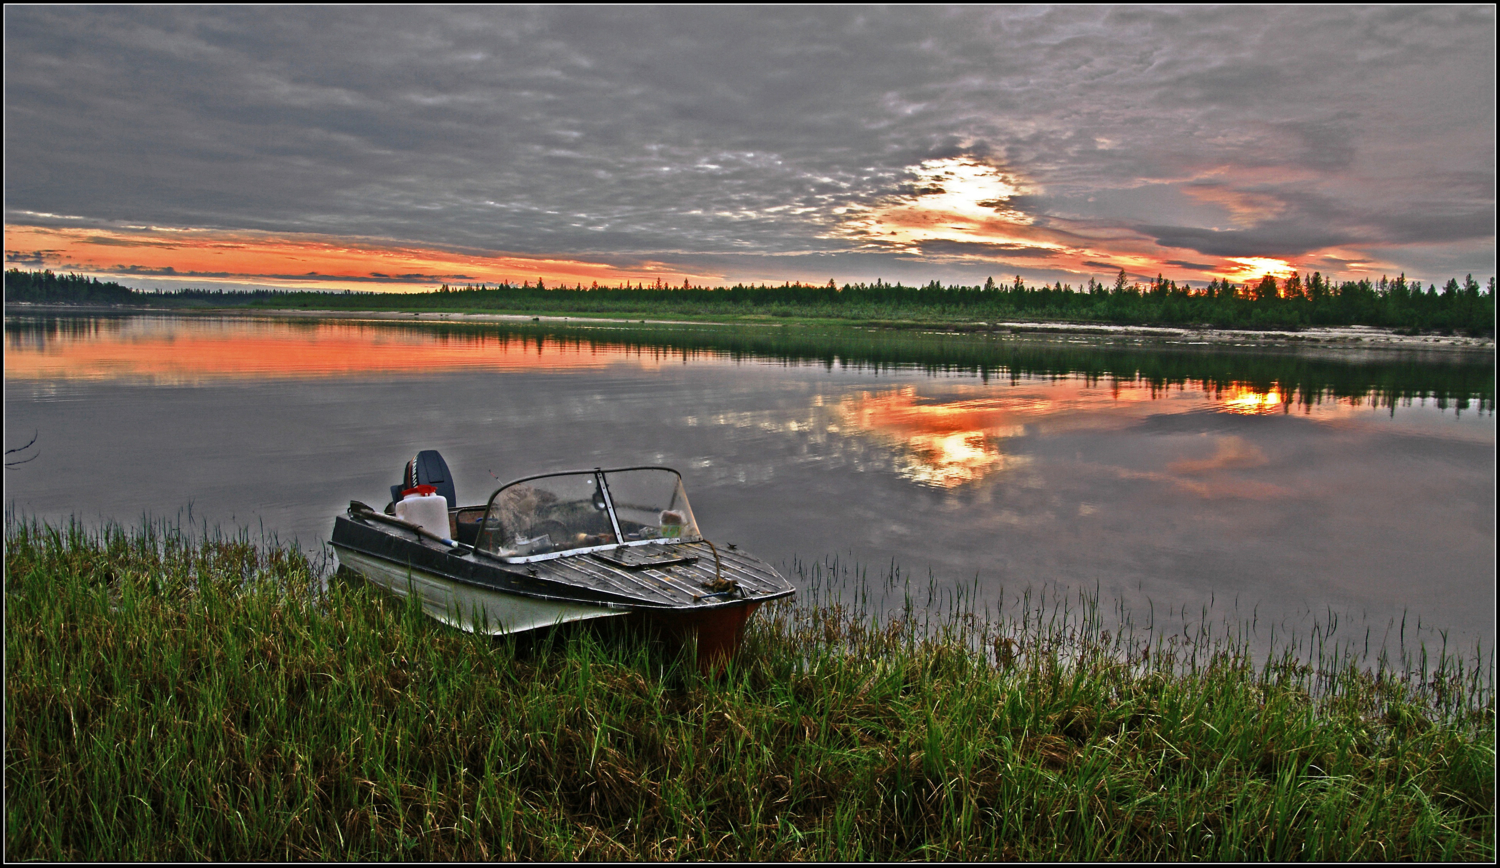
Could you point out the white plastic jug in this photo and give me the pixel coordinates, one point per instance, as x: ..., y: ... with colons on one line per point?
x: 424, y: 507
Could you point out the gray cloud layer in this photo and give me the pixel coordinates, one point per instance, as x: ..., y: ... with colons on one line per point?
x: 731, y: 137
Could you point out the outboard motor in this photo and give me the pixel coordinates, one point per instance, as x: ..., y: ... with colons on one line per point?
x: 428, y: 468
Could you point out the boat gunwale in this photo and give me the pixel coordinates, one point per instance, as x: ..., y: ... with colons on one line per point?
x: 413, y: 568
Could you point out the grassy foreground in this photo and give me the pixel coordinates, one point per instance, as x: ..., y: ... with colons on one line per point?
x: 176, y: 698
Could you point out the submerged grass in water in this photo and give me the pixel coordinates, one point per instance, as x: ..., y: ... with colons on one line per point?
x: 176, y: 698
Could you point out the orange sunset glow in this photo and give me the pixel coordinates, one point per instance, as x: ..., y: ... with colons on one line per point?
x: 299, y: 149
x: 1252, y: 268
x: 960, y: 208
x: 953, y: 200
x: 955, y: 209
x: 970, y: 209
x: 206, y: 257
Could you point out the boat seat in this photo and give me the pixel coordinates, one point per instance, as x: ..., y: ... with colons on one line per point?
x: 428, y: 468
x: 466, y: 524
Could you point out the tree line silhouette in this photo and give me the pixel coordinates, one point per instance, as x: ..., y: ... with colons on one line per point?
x: 1292, y: 302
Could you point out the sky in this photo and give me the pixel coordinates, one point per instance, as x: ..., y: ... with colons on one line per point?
x: 379, y: 148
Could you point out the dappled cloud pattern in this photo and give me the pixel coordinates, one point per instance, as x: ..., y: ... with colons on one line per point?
x: 391, y: 147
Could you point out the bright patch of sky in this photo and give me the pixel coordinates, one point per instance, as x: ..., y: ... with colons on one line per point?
x: 952, y: 199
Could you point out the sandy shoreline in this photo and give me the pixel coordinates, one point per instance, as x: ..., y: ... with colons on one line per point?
x: 1362, y: 338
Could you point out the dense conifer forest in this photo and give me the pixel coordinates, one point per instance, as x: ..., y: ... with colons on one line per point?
x: 1296, y: 301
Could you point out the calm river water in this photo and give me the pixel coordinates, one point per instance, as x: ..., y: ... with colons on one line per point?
x: 1274, y: 486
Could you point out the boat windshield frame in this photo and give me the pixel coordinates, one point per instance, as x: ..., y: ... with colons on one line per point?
x: 690, y: 532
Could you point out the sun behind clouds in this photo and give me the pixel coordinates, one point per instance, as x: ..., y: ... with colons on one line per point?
x: 953, y: 199
x: 1252, y: 268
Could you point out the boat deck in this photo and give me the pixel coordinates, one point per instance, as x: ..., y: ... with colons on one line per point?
x: 676, y: 575
x: 687, y: 575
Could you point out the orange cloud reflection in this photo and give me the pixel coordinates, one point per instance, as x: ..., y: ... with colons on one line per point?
x: 205, y: 351
x: 1230, y: 453
x: 941, y: 444
x: 952, y: 441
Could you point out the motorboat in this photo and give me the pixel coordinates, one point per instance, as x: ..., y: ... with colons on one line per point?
x: 559, y: 547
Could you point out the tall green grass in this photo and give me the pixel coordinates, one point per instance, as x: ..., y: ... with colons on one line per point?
x: 184, y: 696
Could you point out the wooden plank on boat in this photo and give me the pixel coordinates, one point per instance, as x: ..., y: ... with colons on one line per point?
x: 639, y: 557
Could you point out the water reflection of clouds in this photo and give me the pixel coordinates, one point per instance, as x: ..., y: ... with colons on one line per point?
x: 945, y: 435
x: 1165, y: 490
x: 960, y: 434
x: 1230, y: 453
x: 938, y: 443
x: 960, y: 437
x: 193, y: 352
x: 1214, y: 488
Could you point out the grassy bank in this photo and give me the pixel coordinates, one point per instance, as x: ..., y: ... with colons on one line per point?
x: 174, y: 698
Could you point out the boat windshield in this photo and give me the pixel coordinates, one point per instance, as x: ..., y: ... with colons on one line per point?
x: 565, y: 512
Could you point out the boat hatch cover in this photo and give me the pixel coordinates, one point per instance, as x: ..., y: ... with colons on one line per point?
x: 641, y: 557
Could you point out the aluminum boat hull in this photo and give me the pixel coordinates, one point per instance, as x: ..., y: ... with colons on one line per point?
x: 468, y: 607
x: 665, y: 590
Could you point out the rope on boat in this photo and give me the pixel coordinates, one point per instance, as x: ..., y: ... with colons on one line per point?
x: 719, y: 584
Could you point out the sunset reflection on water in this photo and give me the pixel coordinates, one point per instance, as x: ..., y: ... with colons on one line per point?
x: 1283, y: 480
x: 941, y: 434
x: 177, y: 352
x: 950, y: 440
x: 945, y: 444
x: 1242, y: 400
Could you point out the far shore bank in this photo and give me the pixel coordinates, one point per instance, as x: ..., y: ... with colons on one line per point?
x: 1357, y: 338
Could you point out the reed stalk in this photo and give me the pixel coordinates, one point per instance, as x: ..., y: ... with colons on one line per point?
x: 173, y: 695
